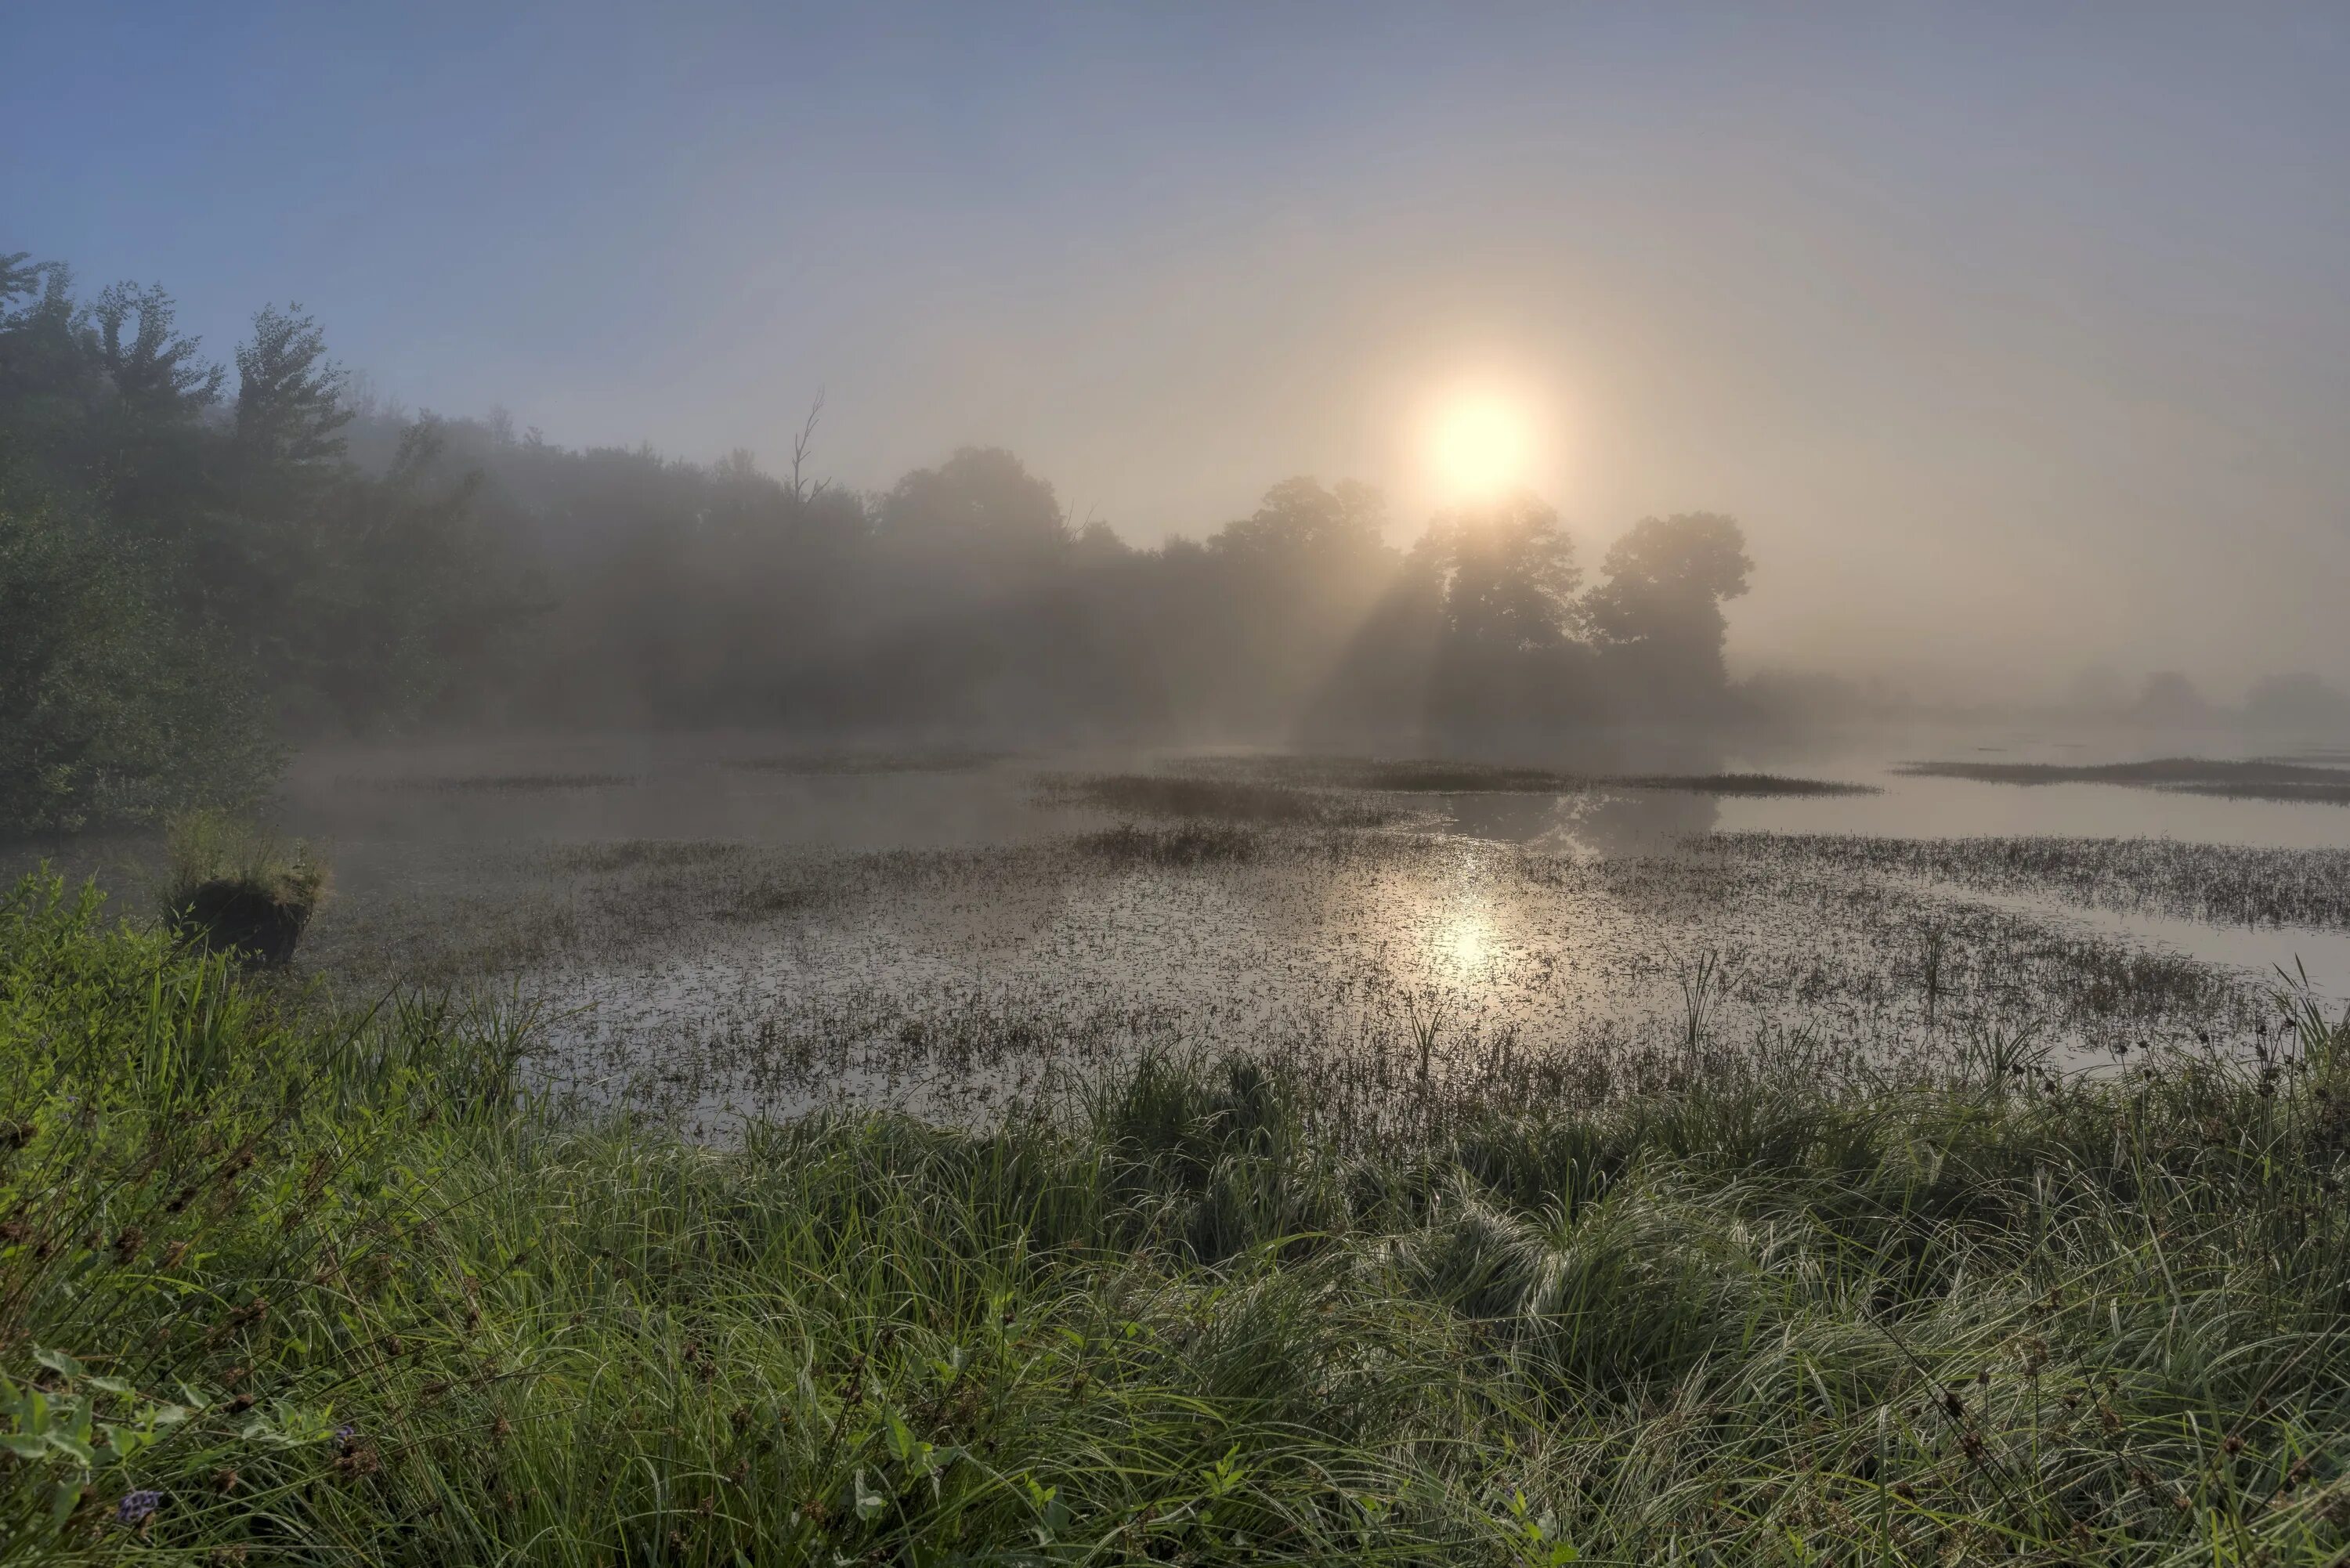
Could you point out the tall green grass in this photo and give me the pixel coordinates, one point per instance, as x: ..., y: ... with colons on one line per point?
x: 282, y: 1285
x: 201, y: 846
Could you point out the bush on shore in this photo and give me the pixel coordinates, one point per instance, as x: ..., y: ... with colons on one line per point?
x: 235, y: 888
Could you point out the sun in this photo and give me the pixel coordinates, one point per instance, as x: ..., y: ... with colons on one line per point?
x: 1480, y: 444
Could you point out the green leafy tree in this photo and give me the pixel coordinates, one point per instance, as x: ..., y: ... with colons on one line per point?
x: 151, y: 371
x: 108, y: 708
x: 179, y: 588
x: 416, y: 602
x: 290, y: 411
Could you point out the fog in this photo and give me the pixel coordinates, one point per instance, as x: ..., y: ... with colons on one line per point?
x: 2013, y: 345
x: 1182, y: 781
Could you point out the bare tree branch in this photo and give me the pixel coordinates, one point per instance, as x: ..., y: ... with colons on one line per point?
x: 800, y: 445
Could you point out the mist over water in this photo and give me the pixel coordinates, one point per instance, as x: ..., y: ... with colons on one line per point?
x: 699, y: 910
x: 1437, y: 530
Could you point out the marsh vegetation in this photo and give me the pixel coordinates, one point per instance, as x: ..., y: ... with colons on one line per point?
x: 714, y: 980
x: 293, y: 1281
x: 519, y: 784
x: 2243, y: 884
x: 2258, y: 779
x: 1460, y: 777
x: 1219, y: 799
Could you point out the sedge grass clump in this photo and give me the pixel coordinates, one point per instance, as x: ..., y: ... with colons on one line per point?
x: 639, y: 854
x: 234, y: 887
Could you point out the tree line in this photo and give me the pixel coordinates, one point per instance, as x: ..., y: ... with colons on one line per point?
x: 201, y: 566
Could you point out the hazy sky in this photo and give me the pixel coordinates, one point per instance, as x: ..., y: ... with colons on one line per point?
x: 2017, y: 336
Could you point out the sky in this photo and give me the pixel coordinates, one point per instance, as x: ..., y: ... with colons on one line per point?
x: 2017, y: 337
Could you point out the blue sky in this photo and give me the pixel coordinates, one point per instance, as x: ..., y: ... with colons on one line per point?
x: 2018, y: 335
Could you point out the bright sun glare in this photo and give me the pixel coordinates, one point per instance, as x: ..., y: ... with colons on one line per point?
x: 1480, y: 445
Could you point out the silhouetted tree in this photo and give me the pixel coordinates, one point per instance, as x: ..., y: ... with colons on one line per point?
x: 1509, y: 575
x: 1098, y: 546
x: 979, y: 523
x: 1300, y: 520
x: 2299, y: 701
x: 229, y: 570
x: 1658, y: 612
x: 2170, y: 699
x: 290, y: 400
x: 1275, y: 598
x: 154, y: 372
x: 1509, y: 663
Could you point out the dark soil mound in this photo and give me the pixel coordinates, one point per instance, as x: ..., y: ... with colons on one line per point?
x: 230, y: 916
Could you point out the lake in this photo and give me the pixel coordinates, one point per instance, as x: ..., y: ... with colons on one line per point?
x: 732, y: 924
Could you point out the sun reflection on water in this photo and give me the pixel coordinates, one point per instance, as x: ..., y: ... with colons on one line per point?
x: 1461, y: 935
x: 1464, y: 941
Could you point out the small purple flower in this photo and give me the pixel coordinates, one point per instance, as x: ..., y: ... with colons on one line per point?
x: 137, y: 1507
x: 344, y: 1434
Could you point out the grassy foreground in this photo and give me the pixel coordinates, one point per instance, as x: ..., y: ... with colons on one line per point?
x: 279, y: 1287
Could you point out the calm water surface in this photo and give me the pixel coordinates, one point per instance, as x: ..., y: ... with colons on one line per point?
x: 389, y: 814
x: 1454, y: 907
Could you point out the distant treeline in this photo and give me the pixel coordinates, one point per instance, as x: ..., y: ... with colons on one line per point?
x: 198, y: 569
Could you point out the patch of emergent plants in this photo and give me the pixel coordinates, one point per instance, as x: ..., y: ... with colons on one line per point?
x: 1740, y: 785
x: 2264, y: 778
x: 657, y: 889
x: 2238, y: 884
x: 1188, y: 844
x: 1397, y: 776
x: 276, y: 1284
x: 2289, y: 791
x: 639, y: 854
x: 769, y: 897
x: 821, y: 764
x: 517, y: 783
x: 1185, y: 797
x: 455, y: 939
x: 1447, y: 777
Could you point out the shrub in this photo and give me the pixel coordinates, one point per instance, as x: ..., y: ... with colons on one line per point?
x: 235, y: 888
x: 110, y: 709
